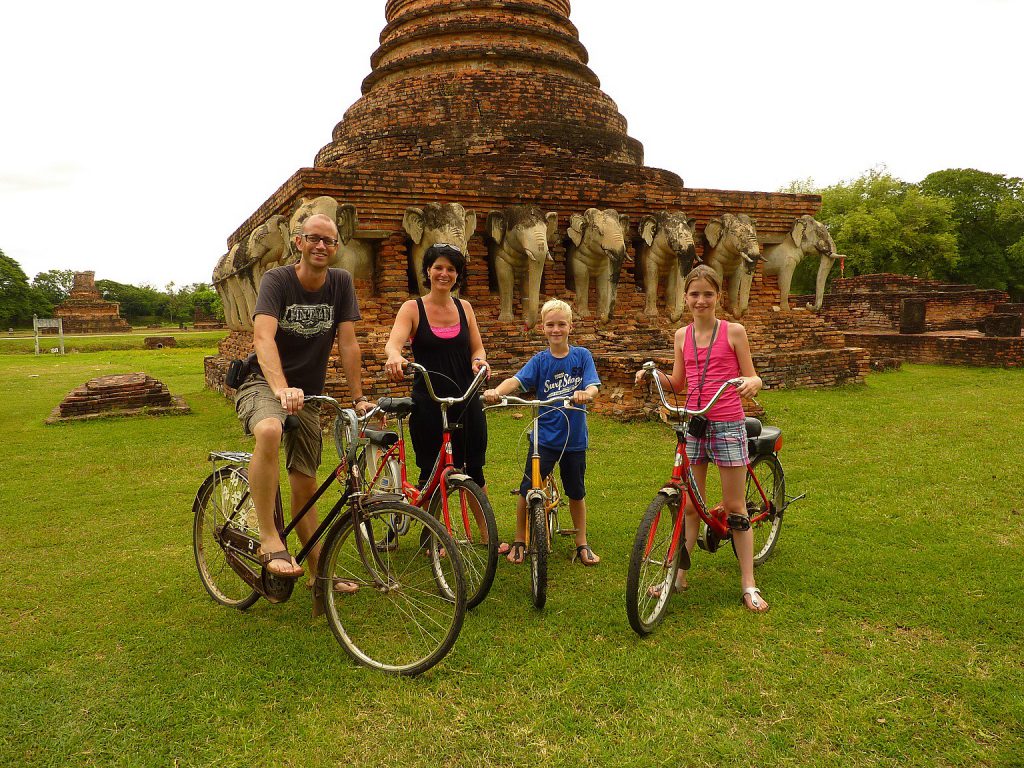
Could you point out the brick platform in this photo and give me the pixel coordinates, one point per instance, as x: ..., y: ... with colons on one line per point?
x: 125, y: 394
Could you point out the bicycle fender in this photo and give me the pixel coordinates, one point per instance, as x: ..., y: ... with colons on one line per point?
x: 461, y: 477
x: 670, y: 492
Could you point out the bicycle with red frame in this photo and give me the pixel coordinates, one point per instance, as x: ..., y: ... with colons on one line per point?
x: 450, y: 495
x: 659, y: 549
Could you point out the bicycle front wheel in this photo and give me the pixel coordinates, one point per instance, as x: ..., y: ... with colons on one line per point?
x: 409, y: 605
x: 766, y: 519
x: 538, y: 553
x: 554, y: 500
x: 652, y: 569
x: 477, y: 542
x: 224, y: 503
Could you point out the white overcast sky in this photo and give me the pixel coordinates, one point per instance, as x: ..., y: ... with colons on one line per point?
x: 136, y: 136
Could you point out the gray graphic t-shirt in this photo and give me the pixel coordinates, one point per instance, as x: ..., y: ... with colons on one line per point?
x: 306, y: 321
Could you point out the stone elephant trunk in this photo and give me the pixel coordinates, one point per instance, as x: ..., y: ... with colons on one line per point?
x: 597, y: 251
x: 518, y: 249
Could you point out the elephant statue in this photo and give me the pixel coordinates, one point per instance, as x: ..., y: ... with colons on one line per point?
x: 807, y: 237
x: 269, y: 246
x: 732, y: 250
x: 353, y: 255
x: 449, y: 223
x: 668, y: 251
x: 597, y: 251
x: 232, y: 289
x: 520, y: 238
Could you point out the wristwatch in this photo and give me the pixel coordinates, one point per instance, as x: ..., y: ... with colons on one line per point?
x: 360, y: 399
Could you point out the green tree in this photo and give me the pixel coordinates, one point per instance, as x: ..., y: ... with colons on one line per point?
x: 988, y: 210
x: 136, y: 301
x: 884, y: 224
x: 18, y: 302
x: 54, y: 284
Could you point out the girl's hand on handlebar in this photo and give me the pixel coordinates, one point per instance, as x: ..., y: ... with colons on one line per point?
x: 395, y: 367
x: 639, y: 377
x: 751, y: 386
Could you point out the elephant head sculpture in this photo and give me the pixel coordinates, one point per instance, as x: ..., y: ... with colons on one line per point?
x: 668, y: 251
x: 733, y: 251
x: 597, y: 251
x: 807, y: 237
x: 231, y: 280
x: 268, y: 246
x: 520, y: 238
x: 435, y: 223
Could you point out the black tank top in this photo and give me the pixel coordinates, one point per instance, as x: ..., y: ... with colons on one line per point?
x: 449, y: 357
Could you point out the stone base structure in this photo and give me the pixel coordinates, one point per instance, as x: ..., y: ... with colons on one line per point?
x: 952, y: 324
x: 85, y: 311
x: 124, y: 394
x: 490, y: 104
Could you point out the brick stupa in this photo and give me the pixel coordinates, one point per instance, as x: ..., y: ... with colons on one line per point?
x: 490, y: 103
x: 85, y: 311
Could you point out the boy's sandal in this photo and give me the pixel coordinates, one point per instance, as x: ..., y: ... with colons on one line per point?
x: 756, y: 604
x: 591, y: 560
x: 738, y: 522
x: 517, y: 552
x: 504, y: 547
x: 269, y: 557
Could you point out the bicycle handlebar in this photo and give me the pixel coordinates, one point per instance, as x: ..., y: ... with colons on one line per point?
x: 555, y: 402
x: 651, y: 369
x: 346, y: 417
x: 474, y: 385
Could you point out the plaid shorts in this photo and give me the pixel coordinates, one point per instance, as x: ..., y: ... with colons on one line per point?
x: 724, y: 444
x: 254, y: 401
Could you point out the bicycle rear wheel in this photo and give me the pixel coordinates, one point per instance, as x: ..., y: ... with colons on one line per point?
x: 224, y: 501
x: 408, y: 610
x: 479, y: 545
x: 766, y: 520
x: 652, y: 573
x: 537, y: 553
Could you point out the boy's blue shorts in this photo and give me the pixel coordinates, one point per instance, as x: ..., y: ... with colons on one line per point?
x: 571, y: 468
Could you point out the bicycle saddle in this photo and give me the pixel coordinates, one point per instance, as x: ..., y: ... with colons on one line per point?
x: 760, y: 439
x: 399, y: 406
x: 383, y: 438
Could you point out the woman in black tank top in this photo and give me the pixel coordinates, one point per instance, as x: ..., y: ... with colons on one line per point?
x: 452, y: 350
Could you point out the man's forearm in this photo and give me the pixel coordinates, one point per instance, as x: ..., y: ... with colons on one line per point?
x: 352, y: 365
x: 270, y: 363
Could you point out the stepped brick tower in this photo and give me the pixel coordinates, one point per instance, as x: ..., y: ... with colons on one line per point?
x: 85, y: 311
x: 491, y: 104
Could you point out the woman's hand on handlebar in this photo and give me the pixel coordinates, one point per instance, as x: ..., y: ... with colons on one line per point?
x: 363, y: 407
x: 395, y: 367
x: 480, y: 363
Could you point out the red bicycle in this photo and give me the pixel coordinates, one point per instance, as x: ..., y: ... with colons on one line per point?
x: 659, y: 549
x: 450, y: 495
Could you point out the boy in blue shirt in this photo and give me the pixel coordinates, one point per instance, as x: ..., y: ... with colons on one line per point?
x: 558, y: 371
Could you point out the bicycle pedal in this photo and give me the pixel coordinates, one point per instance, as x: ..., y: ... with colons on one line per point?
x: 275, y: 588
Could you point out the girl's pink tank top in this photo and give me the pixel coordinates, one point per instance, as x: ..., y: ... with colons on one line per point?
x: 722, y: 367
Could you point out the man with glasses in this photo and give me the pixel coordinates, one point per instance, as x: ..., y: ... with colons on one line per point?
x: 300, y: 310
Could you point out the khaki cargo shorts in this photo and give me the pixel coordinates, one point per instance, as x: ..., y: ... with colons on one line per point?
x: 255, y: 402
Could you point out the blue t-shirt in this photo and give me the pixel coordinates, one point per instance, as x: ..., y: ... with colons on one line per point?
x: 551, y: 377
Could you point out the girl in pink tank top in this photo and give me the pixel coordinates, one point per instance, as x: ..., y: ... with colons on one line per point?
x: 709, y: 352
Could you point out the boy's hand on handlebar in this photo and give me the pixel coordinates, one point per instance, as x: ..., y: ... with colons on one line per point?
x: 751, y: 386
x: 491, y: 396
x: 395, y: 367
x: 291, y: 399
x: 581, y: 397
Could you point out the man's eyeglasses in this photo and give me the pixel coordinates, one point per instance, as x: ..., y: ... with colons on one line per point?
x: 330, y: 242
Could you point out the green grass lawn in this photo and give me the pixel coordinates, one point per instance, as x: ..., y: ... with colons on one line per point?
x: 23, y: 344
x: 894, y: 638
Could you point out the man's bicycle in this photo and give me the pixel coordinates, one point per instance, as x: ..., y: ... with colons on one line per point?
x: 409, y: 606
x: 542, y: 501
x: 450, y: 495
x: 659, y: 549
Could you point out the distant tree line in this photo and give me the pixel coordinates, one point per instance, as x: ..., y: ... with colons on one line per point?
x: 958, y: 225
x: 140, y: 304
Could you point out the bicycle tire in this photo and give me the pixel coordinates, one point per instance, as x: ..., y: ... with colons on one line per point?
x: 479, y: 560
x: 537, y: 553
x: 766, y: 524
x: 650, y: 577
x: 217, y: 504
x: 401, y: 620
